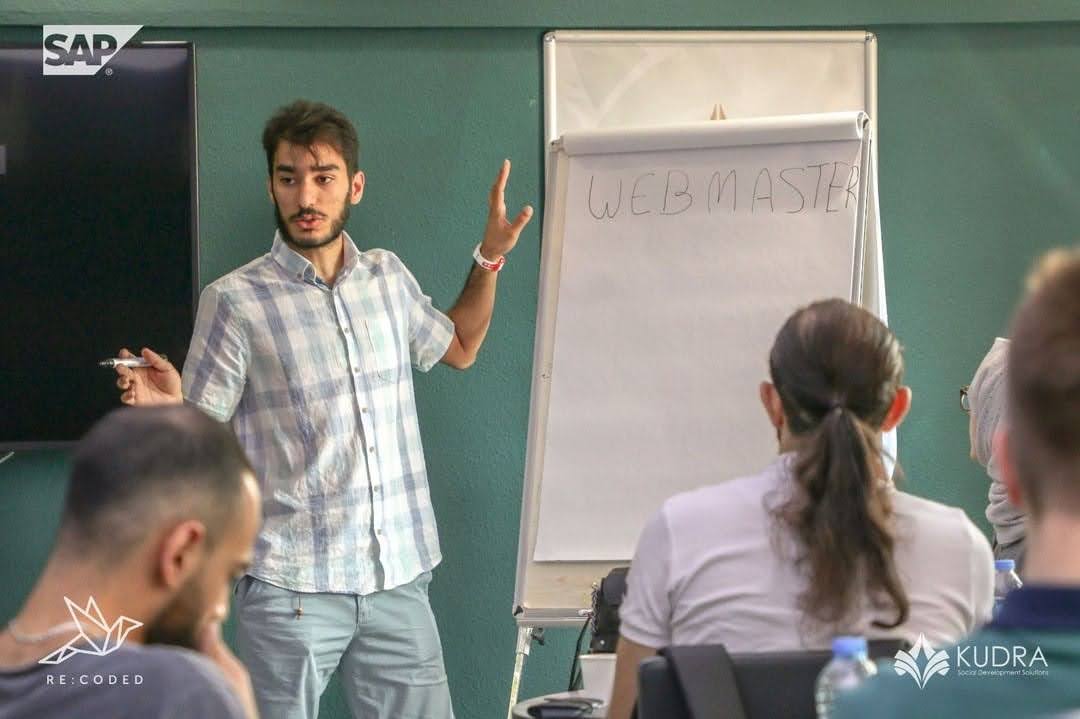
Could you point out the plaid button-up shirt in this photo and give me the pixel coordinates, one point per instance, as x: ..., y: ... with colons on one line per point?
x: 317, y: 383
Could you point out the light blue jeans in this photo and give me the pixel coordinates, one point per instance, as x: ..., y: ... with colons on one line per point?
x: 385, y: 644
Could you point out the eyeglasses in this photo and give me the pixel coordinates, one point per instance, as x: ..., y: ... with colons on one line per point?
x: 965, y: 401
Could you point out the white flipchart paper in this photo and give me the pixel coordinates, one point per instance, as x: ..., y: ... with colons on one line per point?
x: 678, y: 268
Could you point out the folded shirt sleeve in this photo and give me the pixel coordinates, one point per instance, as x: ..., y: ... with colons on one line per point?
x: 217, y: 361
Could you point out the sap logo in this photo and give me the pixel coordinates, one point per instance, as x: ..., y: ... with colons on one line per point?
x: 82, y: 49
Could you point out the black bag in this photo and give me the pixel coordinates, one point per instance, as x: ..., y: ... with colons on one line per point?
x: 606, y: 601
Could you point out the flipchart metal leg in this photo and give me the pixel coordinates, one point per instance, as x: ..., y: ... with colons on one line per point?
x: 524, y: 642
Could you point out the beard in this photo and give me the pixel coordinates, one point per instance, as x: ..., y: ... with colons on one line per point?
x: 178, y: 624
x: 337, y: 224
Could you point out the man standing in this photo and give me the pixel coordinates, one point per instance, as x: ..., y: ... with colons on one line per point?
x: 1026, y: 662
x: 306, y: 351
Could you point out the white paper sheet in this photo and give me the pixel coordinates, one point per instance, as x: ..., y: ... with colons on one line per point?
x: 678, y: 268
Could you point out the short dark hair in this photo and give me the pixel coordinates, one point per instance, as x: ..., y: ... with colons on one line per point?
x: 141, y: 466
x: 306, y: 123
x: 1044, y: 385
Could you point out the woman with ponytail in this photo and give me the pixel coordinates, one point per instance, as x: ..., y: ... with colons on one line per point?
x: 821, y: 542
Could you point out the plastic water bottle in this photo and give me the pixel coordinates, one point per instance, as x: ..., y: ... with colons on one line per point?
x: 847, y: 669
x: 1005, y: 580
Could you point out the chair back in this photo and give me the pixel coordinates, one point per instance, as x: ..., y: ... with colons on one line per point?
x: 705, y: 682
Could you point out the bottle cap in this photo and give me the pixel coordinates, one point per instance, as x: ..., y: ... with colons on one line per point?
x: 1004, y: 565
x: 849, y: 646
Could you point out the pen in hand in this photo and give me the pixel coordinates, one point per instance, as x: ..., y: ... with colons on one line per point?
x: 126, y: 362
x: 146, y: 384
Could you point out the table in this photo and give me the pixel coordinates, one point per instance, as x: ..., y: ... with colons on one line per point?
x: 521, y: 709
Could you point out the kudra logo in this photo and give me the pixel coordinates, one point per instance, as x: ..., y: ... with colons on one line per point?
x: 936, y: 662
x: 82, y: 49
x: 92, y: 626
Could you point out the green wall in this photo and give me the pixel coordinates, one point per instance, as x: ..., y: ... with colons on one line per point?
x: 980, y: 171
x: 539, y: 13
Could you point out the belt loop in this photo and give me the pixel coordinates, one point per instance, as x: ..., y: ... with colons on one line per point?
x: 299, y: 606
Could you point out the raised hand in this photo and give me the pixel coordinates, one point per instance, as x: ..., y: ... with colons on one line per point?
x: 148, y: 386
x: 501, y: 235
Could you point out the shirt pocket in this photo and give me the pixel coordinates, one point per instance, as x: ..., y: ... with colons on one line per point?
x: 381, y: 350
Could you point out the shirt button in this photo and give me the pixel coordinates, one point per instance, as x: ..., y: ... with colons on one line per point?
x: 363, y: 410
x: 378, y: 532
x: 377, y: 489
x: 356, y: 370
x: 371, y: 449
x: 346, y: 329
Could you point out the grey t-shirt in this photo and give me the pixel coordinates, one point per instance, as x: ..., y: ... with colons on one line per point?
x: 135, y: 681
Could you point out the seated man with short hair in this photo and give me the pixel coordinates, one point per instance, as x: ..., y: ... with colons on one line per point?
x: 160, y: 515
x: 1026, y: 663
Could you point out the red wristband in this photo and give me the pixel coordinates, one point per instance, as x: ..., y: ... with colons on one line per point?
x: 486, y: 263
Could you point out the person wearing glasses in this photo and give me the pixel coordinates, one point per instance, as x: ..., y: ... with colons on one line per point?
x: 985, y: 402
x: 1030, y: 652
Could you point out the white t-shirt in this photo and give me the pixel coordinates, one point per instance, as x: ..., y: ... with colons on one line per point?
x: 708, y: 571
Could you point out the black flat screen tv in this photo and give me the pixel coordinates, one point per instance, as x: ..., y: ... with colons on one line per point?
x: 98, y: 231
